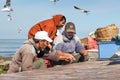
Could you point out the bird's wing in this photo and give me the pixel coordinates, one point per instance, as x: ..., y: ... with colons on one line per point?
x: 77, y: 8
x: 54, y: 0
x: 8, y: 2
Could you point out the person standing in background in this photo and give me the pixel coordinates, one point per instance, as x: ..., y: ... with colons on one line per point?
x: 49, y: 25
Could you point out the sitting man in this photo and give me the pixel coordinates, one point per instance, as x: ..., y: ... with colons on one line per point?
x: 33, y: 53
x: 69, y: 44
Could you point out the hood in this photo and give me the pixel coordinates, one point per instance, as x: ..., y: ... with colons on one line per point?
x: 57, y: 19
x: 30, y: 41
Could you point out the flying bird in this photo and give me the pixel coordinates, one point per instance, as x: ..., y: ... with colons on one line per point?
x: 7, y: 7
x: 19, y: 29
x: 82, y: 10
x: 54, y: 0
x: 9, y: 17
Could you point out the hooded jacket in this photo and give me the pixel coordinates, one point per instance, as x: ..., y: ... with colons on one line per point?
x: 49, y: 25
x: 24, y: 57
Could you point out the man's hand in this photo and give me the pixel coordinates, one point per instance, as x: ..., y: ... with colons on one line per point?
x: 36, y: 58
x: 50, y: 46
x: 65, y: 56
x: 69, y: 57
x: 84, y: 52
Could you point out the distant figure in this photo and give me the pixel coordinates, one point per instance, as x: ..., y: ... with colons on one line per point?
x: 92, y: 42
x: 68, y: 44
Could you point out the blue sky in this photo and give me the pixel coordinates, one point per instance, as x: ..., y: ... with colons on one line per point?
x: 29, y: 12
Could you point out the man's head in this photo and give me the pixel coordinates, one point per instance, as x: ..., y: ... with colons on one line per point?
x: 69, y: 30
x: 42, y: 39
x: 59, y: 20
x: 92, y: 34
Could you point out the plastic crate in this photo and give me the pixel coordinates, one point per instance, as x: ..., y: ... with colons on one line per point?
x: 108, y: 48
x: 92, y: 54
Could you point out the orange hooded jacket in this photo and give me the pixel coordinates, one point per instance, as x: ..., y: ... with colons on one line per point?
x: 49, y: 25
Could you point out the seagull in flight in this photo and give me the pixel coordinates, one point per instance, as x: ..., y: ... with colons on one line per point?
x: 82, y: 10
x: 7, y: 7
x: 9, y: 17
x: 54, y: 0
x: 19, y: 29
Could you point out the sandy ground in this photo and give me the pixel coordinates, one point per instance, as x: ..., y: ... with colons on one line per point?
x: 90, y: 70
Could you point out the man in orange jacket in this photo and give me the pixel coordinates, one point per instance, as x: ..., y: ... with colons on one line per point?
x: 49, y: 25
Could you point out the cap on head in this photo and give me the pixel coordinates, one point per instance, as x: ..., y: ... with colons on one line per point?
x: 70, y: 27
x: 92, y: 34
x: 42, y: 35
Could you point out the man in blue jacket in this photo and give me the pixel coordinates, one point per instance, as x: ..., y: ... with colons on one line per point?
x: 69, y: 43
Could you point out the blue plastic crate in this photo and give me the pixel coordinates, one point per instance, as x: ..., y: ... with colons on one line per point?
x: 108, y: 48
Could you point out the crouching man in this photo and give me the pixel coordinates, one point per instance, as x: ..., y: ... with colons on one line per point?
x: 32, y: 54
x: 68, y: 44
